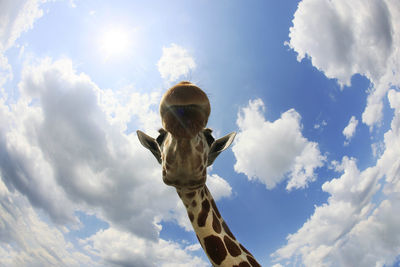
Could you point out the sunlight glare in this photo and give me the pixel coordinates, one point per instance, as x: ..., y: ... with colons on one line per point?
x: 114, y: 42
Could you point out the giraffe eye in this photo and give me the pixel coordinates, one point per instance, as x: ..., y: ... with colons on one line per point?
x: 161, y: 136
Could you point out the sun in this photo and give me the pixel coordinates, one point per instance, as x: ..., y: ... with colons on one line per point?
x: 114, y: 43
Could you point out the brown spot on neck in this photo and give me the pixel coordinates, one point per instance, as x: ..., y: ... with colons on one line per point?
x: 233, y: 249
x: 191, y: 194
x: 253, y: 262
x: 216, y: 224
x: 191, y: 216
x: 214, y: 206
x: 215, y: 249
x: 226, y: 229
x: 205, y: 208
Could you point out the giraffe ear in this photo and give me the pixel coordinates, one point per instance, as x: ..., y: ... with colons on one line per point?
x: 150, y: 143
x: 218, y: 146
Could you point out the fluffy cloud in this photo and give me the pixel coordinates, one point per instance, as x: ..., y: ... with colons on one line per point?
x: 358, y: 224
x: 218, y: 186
x: 17, y: 17
x: 5, y: 70
x: 350, y: 129
x: 343, y: 230
x: 175, y: 62
x: 95, y: 164
x: 118, y: 248
x: 274, y: 151
x: 64, y: 146
x: 27, y: 240
x: 24, y: 167
x: 343, y: 38
x: 389, y: 162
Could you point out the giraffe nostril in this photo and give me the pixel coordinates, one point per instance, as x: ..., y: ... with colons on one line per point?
x: 180, y: 111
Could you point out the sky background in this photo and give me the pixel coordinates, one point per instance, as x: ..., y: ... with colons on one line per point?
x: 311, y: 87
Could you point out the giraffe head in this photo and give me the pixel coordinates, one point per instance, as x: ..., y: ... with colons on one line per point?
x: 184, y: 147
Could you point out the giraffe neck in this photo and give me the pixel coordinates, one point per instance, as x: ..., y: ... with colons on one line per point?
x: 216, y: 239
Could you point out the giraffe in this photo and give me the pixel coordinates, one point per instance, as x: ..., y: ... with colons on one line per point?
x: 185, y: 148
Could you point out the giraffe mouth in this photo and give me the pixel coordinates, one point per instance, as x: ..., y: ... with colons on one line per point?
x: 184, y: 121
x: 187, y: 185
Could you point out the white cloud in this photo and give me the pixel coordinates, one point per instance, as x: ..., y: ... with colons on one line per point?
x: 118, y: 248
x: 321, y: 125
x: 377, y: 149
x: 121, y: 106
x: 328, y: 227
x: 28, y: 240
x: 389, y: 162
x: 64, y: 146
x: 17, y: 17
x: 358, y: 224
x: 5, y: 70
x: 193, y: 247
x: 96, y: 164
x: 175, y: 62
x: 350, y: 129
x: 24, y: 167
x: 343, y: 38
x: 274, y: 151
x: 218, y: 186
x: 352, y: 228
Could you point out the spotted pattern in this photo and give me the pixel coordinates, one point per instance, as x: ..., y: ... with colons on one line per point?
x: 253, y: 262
x: 244, y: 249
x: 226, y: 229
x: 215, y: 208
x: 215, y: 249
x: 233, y: 249
x: 212, y: 231
x: 191, y: 194
x: 205, y: 208
x: 216, y: 224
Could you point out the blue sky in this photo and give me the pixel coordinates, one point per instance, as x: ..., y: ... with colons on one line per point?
x: 311, y: 87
